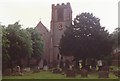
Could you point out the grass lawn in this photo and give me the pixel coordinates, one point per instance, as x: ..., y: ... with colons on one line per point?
x: 49, y: 75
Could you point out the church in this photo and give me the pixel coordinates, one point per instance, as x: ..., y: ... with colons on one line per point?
x: 61, y: 18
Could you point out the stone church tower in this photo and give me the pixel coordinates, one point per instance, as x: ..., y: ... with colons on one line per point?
x: 61, y: 17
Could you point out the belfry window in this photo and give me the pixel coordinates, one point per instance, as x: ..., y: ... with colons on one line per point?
x: 60, y: 14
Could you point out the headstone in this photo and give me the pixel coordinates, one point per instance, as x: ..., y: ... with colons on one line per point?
x: 45, y: 65
x: 17, y: 71
x: 36, y: 69
x: 26, y: 69
x: 70, y: 67
x: 84, y: 73
x: 105, y: 68
x: 41, y: 64
x: 67, y: 63
x: 99, y: 64
x: 103, y: 74
x: 45, y: 68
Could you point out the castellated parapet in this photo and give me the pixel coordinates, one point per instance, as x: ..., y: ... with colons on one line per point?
x: 60, y: 19
x: 61, y: 5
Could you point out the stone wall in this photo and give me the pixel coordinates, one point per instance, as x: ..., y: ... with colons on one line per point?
x: 45, y: 34
x: 59, y: 26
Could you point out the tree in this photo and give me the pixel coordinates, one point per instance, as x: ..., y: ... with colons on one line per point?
x: 20, y: 43
x: 86, y: 38
x: 5, y: 45
x: 37, y: 43
x: 116, y: 38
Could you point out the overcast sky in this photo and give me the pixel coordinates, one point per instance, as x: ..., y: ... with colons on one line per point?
x: 30, y: 12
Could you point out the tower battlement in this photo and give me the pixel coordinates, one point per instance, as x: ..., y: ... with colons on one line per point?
x: 61, y: 5
x: 61, y: 18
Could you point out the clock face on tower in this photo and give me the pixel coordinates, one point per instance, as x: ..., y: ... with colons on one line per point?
x: 60, y: 26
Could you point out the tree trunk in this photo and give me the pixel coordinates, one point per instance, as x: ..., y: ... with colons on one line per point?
x: 19, y: 63
x: 28, y: 62
x: 76, y: 63
x: 83, y: 63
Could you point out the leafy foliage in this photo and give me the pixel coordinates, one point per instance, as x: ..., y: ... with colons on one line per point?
x: 116, y: 37
x: 19, y: 44
x: 86, y: 38
x: 5, y: 45
x: 37, y: 43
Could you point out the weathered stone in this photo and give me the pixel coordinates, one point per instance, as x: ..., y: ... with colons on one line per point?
x: 36, y: 69
x: 51, y: 39
x: 26, y: 69
x: 41, y: 64
x: 105, y: 68
x: 17, y: 71
x: 103, y: 74
x: 84, y: 73
x: 45, y: 68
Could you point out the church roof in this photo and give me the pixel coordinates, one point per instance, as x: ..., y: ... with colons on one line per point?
x: 41, y: 26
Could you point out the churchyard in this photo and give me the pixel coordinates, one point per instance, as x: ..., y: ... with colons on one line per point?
x: 83, y: 50
x: 61, y: 73
x: 49, y: 75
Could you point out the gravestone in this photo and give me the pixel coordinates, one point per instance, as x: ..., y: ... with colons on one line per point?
x: 84, y: 73
x: 67, y: 63
x: 41, y: 64
x: 27, y: 69
x: 36, y: 69
x: 105, y: 68
x: 45, y: 68
x: 103, y: 74
x: 45, y: 65
x: 17, y: 71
